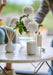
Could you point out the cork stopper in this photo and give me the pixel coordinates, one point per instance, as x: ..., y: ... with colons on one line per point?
x: 31, y: 42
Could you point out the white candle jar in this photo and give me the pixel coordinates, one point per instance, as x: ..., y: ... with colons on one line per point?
x: 31, y: 47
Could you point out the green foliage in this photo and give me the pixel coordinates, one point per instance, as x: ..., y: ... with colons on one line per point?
x: 40, y: 25
x: 12, y: 8
x: 48, y: 21
x: 20, y: 25
x: 15, y: 8
x: 36, y: 5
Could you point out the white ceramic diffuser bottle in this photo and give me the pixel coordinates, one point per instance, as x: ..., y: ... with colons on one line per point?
x: 39, y: 43
x: 10, y: 47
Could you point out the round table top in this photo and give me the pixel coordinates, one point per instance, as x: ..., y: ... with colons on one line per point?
x: 20, y: 55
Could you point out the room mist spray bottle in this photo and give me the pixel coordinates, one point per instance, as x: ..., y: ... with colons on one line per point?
x: 39, y: 44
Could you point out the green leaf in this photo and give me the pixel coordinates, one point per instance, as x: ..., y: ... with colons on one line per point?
x: 17, y: 22
x: 21, y: 26
x: 40, y: 25
x: 23, y: 17
x: 20, y: 30
x: 22, y: 23
x: 15, y: 27
x: 25, y: 29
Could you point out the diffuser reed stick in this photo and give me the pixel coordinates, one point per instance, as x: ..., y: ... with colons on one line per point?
x: 10, y: 35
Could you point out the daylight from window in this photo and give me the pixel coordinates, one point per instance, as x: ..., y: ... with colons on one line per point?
x: 16, y: 6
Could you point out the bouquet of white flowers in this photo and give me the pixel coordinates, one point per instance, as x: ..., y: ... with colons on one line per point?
x: 26, y: 25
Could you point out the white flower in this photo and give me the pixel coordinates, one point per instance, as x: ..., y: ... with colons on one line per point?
x: 26, y: 21
x: 13, y: 21
x: 28, y: 10
x: 32, y: 27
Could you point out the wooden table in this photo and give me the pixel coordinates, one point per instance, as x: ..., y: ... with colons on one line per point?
x: 20, y: 56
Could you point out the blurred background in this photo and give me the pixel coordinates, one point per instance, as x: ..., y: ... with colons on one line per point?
x: 15, y: 7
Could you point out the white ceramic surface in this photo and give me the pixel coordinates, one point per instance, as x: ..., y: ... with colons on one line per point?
x: 22, y: 57
x: 10, y: 47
